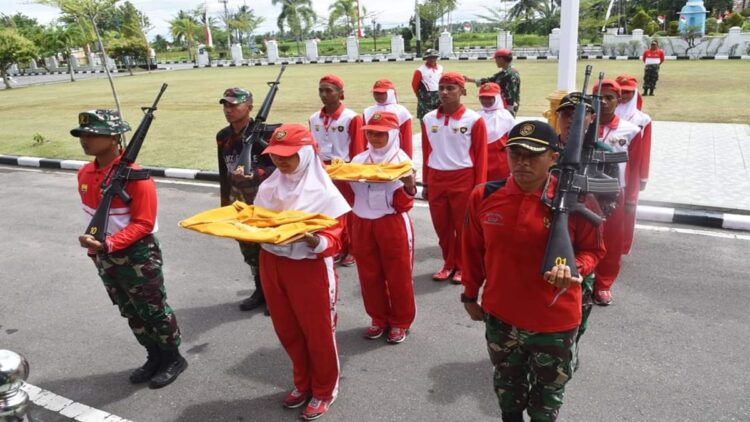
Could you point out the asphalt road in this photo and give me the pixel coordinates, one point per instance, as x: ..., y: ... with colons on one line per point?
x: 673, y: 347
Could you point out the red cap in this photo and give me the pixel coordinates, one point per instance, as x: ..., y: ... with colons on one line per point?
x: 333, y: 80
x: 612, y: 84
x: 287, y: 139
x: 490, y: 89
x: 382, y: 121
x: 383, y: 85
x: 503, y: 52
x: 627, y: 82
x: 453, y: 78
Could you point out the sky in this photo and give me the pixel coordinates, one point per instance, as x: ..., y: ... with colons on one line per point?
x: 389, y: 13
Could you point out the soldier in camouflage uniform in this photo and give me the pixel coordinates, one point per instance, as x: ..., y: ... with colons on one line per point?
x: 508, y: 78
x: 531, y: 319
x: 653, y: 58
x: 424, y: 83
x: 235, y: 184
x: 129, y: 261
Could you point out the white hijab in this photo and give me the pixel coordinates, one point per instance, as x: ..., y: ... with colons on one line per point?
x: 391, y: 153
x: 308, y: 188
x: 627, y: 110
x: 498, y: 120
x: 390, y: 104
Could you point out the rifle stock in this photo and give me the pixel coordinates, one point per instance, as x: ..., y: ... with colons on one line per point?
x: 116, y: 181
x: 259, y: 127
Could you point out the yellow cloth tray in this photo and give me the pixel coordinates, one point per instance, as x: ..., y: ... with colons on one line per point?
x: 373, y: 173
x: 249, y: 223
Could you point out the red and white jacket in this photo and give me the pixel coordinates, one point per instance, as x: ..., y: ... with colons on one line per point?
x: 338, y: 135
x: 454, y: 142
x: 426, y: 76
x: 620, y: 135
x: 639, y: 156
x: 127, y: 223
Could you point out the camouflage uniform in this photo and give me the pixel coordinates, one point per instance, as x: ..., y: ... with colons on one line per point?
x: 510, y: 82
x: 135, y: 283
x: 426, y: 102
x: 531, y: 369
x: 650, y: 76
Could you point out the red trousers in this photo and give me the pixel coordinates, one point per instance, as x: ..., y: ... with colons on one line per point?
x: 384, y: 250
x: 346, y: 220
x: 301, y: 296
x: 497, y: 162
x: 628, y: 232
x: 448, y: 196
x: 609, y: 267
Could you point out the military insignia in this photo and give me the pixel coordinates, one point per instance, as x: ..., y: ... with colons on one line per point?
x: 340, y: 128
x: 280, y: 134
x: 317, y: 128
x: 527, y: 129
x: 376, y: 117
x: 546, y: 222
x: 434, y: 129
x: 84, y: 188
x: 622, y: 142
x: 455, y: 130
x: 485, y: 87
x: 464, y: 129
x: 83, y: 119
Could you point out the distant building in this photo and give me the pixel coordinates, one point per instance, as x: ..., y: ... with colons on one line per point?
x: 693, y: 15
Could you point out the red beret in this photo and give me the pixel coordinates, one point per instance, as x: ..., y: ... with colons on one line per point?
x: 503, y: 52
x: 612, y: 84
x: 627, y: 82
x: 490, y: 89
x: 333, y: 80
x: 383, y: 85
x: 452, y: 78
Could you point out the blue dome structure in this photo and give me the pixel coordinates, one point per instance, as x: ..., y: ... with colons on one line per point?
x: 693, y: 14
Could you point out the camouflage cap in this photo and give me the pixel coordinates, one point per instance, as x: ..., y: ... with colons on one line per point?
x: 101, y: 122
x: 236, y: 96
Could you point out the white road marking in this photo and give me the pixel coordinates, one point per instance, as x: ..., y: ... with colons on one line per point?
x: 710, y: 233
x: 66, y: 407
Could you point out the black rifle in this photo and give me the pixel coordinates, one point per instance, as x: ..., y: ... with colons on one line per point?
x: 118, y: 177
x: 256, y: 131
x: 572, y: 184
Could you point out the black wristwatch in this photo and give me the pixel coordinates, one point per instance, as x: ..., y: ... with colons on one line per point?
x: 467, y: 299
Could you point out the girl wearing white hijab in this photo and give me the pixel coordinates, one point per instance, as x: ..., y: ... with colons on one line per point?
x: 499, y: 122
x: 384, y: 93
x: 383, y: 234
x: 299, y: 279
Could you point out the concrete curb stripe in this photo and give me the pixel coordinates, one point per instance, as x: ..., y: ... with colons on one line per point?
x: 180, y: 173
x: 71, y: 164
x: 28, y: 161
x: 736, y: 222
x: 658, y: 214
x: 699, y: 218
x: 68, y: 408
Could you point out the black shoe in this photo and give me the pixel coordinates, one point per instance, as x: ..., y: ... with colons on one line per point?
x: 149, y: 369
x: 513, y: 417
x: 172, y: 366
x: 255, y: 300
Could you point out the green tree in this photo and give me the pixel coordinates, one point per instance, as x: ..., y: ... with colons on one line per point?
x: 640, y: 20
x: 14, y: 48
x: 735, y: 19
x: 244, y: 23
x: 342, y: 11
x: 129, y: 50
x: 184, y: 30
x: 298, y: 15
x: 61, y: 39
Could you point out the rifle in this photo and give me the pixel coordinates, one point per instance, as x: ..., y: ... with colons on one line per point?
x: 117, y: 178
x: 259, y: 126
x: 573, y: 182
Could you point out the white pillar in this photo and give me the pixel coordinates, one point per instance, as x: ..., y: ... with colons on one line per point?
x: 201, y: 56
x: 445, y: 44
x: 51, y: 63
x: 236, y: 54
x: 32, y: 66
x: 504, y: 39
x: 568, y: 57
x: 554, y: 42
x: 397, y: 46
x: 352, y: 48
x: 74, y: 62
x: 13, y: 69
x: 311, y: 50
x: 93, y: 62
x: 272, y: 51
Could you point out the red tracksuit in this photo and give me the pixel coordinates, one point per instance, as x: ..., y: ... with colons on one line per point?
x: 383, y: 246
x: 454, y: 157
x: 504, y: 242
x: 301, y: 296
x: 636, y: 172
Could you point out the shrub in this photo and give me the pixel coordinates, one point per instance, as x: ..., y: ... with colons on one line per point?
x: 673, y: 28
x: 652, y: 28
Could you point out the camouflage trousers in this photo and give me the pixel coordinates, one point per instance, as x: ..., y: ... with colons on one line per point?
x: 531, y: 369
x: 426, y: 102
x: 251, y: 254
x: 135, y: 283
x: 650, y: 76
x: 587, y: 304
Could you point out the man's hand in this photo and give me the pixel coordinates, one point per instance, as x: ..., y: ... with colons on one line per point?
x: 475, y: 311
x: 559, y: 276
x: 89, y: 242
x: 311, y: 240
x: 239, y: 176
x: 410, y: 182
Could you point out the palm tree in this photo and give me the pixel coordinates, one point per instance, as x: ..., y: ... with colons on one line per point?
x: 298, y: 15
x: 185, y: 30
x: 345, y: 10
x: 245, y: 22
x: 62, y: 39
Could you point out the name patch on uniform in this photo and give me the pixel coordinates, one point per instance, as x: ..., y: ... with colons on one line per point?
x: 493, y: 218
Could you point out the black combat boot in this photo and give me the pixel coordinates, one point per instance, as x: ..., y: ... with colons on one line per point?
x: 645, y: 92
x: 172, y: 365
x: 652, y: 92
x: 513, y: 417
x: 148, y: 370
x: 256, y: 299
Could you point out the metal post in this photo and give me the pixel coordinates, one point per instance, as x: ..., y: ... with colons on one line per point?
x: 418, y: 27
x: 14, y: 402
x: 226, y: 22
x: 568, y: 57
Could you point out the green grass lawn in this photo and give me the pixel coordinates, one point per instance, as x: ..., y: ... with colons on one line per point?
x: 189, y: 116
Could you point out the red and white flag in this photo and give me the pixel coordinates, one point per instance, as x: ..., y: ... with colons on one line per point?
x: 660, y: 19
x: 209, y: 39
x: 683, y: 17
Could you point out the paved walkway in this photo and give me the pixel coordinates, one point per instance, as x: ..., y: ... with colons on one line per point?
x: 696, y: 165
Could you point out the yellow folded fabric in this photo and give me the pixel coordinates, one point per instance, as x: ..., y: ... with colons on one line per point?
x: 373, y: 173
x: 249, y: 223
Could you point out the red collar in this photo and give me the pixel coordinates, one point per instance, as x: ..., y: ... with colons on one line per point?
x: 94, y: 169
x: 335, y: 114
x: 514, y: 189
x: 456, y: 114
x: 612, y: 123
